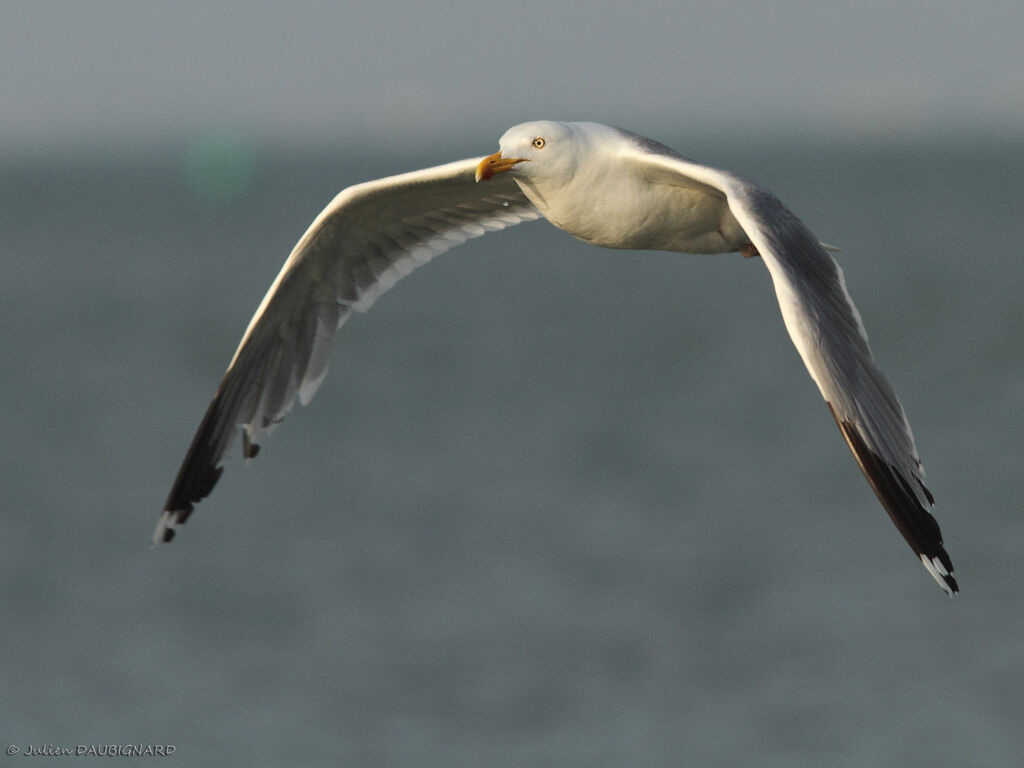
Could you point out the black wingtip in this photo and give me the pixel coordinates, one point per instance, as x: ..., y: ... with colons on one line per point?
x: 198, y: 474
x: 918, y: 526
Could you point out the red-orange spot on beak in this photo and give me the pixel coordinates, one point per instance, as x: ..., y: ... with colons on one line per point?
x: 495, y: 163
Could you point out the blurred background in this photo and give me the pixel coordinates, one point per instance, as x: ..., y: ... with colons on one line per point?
x: 554, y: 505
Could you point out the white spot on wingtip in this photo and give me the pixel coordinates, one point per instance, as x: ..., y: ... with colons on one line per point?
x: 937, y: 570
x: 166, y: 523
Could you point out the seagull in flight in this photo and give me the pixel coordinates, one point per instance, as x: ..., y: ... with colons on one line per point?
x: 607, y: 187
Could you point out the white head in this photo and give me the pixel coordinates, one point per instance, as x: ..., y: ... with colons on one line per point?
x: 537, y: 150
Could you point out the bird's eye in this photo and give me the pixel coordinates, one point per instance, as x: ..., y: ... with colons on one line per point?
x: 539, y: 143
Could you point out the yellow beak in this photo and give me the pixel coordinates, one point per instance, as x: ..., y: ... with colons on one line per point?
x: 495, y: 163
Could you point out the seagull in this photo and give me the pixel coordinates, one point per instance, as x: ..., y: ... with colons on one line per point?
x: 607, y: 187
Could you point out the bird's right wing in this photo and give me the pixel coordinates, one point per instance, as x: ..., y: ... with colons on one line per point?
x: 366, y: 239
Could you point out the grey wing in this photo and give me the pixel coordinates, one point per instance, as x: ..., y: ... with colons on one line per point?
x: 827, y: 331
x: 369, y: 236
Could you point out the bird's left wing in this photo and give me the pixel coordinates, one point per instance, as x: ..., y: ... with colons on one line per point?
x: 366, y: 239
x: 827, y: 330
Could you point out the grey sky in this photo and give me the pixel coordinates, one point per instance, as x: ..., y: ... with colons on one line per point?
x: 104, y: 72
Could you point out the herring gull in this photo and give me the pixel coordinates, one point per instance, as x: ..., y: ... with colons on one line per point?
x: 607, y: 187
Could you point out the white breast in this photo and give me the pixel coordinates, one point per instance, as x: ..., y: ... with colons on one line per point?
x: 615, y: 209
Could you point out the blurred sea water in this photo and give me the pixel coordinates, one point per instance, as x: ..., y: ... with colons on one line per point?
x: 554, y: 505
